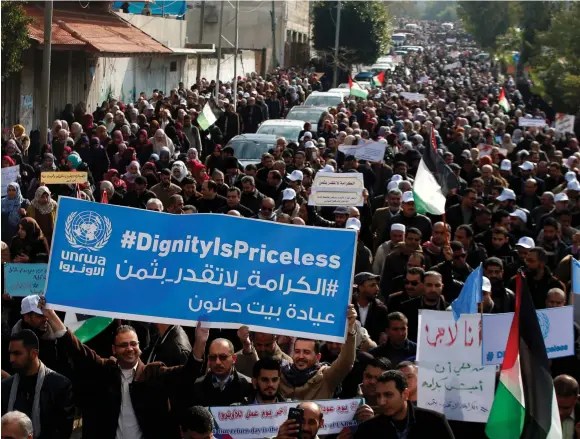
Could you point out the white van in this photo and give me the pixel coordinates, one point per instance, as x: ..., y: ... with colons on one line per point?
x: 324, y: 99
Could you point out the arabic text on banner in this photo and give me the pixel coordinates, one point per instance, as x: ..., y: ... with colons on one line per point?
x: 463, y: 391
x: 557, y: 325
x: 531, y: 122
x: 413, y: 96
x: 9, y: 175
x: 24, y: 279
x: 565, y: 123
x: 372, y: 151
x: 60, y: 177
x: 441, y: 338
x: 220, y: 269
x: 333, y: 189
x: 263, y: 420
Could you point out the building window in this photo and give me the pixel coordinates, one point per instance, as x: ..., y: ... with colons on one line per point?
x: 173, y: 66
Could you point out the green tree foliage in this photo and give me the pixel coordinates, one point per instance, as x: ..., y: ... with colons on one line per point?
x: 486, y: 20
x: 556, y: 63
x: 365, y: 30
x: 14, y: 36
x: 440, y: 11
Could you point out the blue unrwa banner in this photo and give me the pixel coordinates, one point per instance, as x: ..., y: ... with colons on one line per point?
x: 227, y: 271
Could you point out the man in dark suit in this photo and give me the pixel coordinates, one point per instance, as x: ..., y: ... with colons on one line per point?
x: 399, y: 418
x: 463, y: 213
x: 372, y: 313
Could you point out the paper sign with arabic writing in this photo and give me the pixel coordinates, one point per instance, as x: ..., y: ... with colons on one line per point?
x: 443, y: 339
x: 63, y: 177
x: 463, y: 391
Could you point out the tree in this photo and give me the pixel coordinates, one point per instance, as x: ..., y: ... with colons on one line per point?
x: 14, y: 36
x: 485, y: 21
x: 440, y: 11
x: 556, y: 63
x: 365, y: 30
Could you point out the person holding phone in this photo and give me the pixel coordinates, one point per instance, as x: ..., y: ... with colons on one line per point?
x: 303, y: 422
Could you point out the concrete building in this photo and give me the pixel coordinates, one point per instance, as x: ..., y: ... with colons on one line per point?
x: 292, y: 29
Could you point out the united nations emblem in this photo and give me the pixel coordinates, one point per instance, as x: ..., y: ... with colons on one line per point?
x: 87, y: 230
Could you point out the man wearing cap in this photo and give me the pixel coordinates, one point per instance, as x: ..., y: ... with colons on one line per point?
x: 396, y: 262
x: 289, y: 206
x: 561, y: 202
x: 364, y: 257
x: 233, y: 173
x: 397, y: 236
x: 523, y: 246
x: 487, y: 305
x: 295, y: 182
x: 412, y: 287
x: 507, y: 200
x: 518, y: 224
x: 372, y: 313
x: 505, y: 170
x: 33, y: 319
x: 410, y: 218
x: 526, y: 172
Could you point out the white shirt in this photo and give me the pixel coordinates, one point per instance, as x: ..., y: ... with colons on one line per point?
x: 128, y: 427
x: 568, y: 427
x: 363, y: 313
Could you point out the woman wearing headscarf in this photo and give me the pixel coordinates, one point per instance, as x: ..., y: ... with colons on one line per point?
x: 160, y: 140
x: 115, y: 144
x: 68, y: 114
x: 171, y: 133
x: 193, y: 155
x: 14, y: 207
x: 184, y: 141
x: 62, y: 140
x: 53, y: 134
x: 7, y: 162
x: 142, y: 146
x: 64, y: 158
x: 43, y: 210
x: 149, y: 171
x: 199, y: 173
x: 126, y: 132
x: 29, y: 244
x: 133, y: 171
x: 214, y: 161
x: 12, y: 151
x: 22, y: 140
x: 76, y: 130
x: 153, y: 127
x: 109, y: 122
x: 114, y: 177
x: 98, y: 160
x: 178, y: 172
x: 81, y: 147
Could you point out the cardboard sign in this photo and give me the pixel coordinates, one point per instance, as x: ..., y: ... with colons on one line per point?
x: 372, y: 151
x: 413, y: 96
x: 59, y: 177
x: 332, y: 189
x: 565, y: 123
x: 9, y: 175
x: 531, y: 122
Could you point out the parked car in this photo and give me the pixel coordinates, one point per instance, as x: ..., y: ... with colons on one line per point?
x: 323, y: 99
x: 287, y: 128
x: 248, y: 148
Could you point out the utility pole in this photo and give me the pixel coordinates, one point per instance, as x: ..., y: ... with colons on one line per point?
x: 201, y: 23
x: 45, y: 85
x: 219, y: 53
x: 336, y: 41
x: 235, y: 86
x: 274, y: 59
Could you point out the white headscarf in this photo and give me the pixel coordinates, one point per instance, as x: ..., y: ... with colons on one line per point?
x: 158, y: 144
x: 179, y: 165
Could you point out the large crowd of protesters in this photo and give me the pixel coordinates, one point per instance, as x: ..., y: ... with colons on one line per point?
x: 517, y: 207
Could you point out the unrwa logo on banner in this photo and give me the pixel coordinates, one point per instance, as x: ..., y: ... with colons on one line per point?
x: 544, y: 322
x: 87, y: 230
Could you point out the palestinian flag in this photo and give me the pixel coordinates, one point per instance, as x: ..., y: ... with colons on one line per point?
x: 525, y: 402
x: 85, y: 327
x: 433, y: 181
x: 378, y: 80
x: 503, y: 102
x: 209, y: 115
x: 356, y: 89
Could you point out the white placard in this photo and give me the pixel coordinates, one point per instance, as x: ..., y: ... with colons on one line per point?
x: 565, y: 123
x: 451, y: 40
x: 557, y: 325
x: 372, y: 152
x: 9, y: 175
x: 462, y: 391
x: 413, y: 96
x: 333, y: 189
x: 441, y: 338
x: 531, y: 122
x: 452, y: 66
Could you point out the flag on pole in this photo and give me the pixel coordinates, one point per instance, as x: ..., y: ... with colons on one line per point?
x: 433, y: 181
x: 576, y: 289
x: 85, y: 327
x: 356, y: 89
x: 503, y: 102
x: 378, y: 80
x: 470, y: 296
x: 209, y: 115
x: 525, y: 401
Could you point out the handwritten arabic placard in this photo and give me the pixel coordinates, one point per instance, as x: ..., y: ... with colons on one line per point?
x: 557, y: 325
x: 462, y: 391
x: 24, y: 279
x: 413, y: 96
x: 565, y: 123
x: 60, y: 177
x: 230, y: 272
x: 531, y: 122
x: 9, y: 175
x: 441, y: 338
x: 333, y: 189
x: 372, y: 151
x: 263, y: 420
